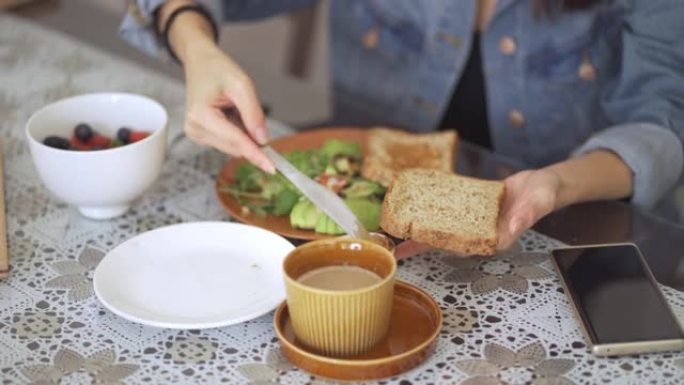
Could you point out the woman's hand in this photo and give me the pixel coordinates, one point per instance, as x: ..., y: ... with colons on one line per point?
x: 214, y: 83
x: 530, y: 195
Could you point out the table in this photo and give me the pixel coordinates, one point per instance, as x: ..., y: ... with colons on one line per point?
x: 506, y: 319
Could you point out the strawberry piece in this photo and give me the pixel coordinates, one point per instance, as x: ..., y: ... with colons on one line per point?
x: 79, y: 145
x: 136, y: 136
x: 100, y: 141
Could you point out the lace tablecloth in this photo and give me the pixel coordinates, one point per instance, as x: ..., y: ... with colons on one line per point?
x: 506, y: 318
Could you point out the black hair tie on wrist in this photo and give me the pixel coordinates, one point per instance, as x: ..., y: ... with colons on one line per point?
x: 177, y: 12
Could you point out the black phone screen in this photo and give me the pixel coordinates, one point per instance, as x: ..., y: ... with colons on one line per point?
x: 615, y: 295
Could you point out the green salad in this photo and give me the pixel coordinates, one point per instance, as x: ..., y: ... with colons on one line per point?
x: 335, y: 165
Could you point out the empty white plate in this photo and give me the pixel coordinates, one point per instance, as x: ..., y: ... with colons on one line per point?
x: 194, y: 275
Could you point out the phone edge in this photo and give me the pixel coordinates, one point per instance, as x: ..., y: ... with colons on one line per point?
x: 625, y: 348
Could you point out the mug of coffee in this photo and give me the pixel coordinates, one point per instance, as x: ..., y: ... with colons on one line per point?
x: 339, y: 294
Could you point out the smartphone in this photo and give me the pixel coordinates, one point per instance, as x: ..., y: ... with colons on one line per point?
x: 616, y: 299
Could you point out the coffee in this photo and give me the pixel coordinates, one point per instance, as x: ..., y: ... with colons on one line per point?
x: 338, y: 278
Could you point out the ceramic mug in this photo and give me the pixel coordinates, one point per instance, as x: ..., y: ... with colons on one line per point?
x: 340, y: 322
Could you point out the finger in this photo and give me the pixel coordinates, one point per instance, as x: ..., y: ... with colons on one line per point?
x: 505, y: 240
x: 409, y: 248
x: 230, y: 139
x: 247, y: 102
x: 507, y: 237
x: 503, y: 227
x: 517, y: 219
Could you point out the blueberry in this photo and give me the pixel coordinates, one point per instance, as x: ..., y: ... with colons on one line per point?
x: 124, y: 134
x: 57, y: 142
x: 83, y: 132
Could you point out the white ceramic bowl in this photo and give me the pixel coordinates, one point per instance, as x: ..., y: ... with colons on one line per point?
x: 102, y: 183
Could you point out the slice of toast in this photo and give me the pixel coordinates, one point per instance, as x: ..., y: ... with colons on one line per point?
x: 444, y: 210
x: 390, y: 151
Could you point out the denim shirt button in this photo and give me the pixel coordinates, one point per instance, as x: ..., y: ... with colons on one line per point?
x: 586, y: 72
x: 516, y: 118
x: 507, y: 45
x: 371, y: 38
x: 455, y: 41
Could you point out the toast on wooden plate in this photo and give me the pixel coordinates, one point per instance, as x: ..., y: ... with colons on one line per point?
x: 444, y: 210
x: 390, y: 151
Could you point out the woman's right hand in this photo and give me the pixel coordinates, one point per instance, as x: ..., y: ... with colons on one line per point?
x: 215, y: 83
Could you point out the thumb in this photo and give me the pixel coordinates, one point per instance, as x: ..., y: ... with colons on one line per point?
x: 520, y: 223
x: 510, y: 232
x: 514, y: 225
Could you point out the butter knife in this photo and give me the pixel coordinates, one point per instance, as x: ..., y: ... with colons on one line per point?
x: 325, y: 199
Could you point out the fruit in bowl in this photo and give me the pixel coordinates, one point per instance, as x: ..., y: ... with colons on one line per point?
x: 85, y: 138
x: 77, y: 148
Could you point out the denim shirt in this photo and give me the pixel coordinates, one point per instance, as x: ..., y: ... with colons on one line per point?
x: 558, y: 85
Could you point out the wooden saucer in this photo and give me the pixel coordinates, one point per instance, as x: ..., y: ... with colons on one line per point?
x: 416, y: 321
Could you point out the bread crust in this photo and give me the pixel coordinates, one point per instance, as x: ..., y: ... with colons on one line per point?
x: 406, y: 229
x: 388, y: 222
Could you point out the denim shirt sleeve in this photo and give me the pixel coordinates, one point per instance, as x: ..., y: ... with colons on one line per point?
x: 646, y: 105
x: 137, y: 27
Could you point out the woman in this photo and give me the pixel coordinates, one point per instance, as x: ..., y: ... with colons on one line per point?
x: 588, y: 93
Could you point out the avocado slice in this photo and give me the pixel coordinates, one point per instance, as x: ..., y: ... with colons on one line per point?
x: 366, y: 210
x: 362, y: 189
x: 305, y: 215
x: 325, y: 225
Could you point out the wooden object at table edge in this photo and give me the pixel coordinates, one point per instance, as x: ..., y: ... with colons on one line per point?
x: 9, y: 4
x: 4, y: 255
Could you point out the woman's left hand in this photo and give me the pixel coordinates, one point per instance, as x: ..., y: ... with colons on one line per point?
x: 530, y: 195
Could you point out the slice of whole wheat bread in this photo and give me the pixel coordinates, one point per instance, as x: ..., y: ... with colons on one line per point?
x: 444, y: 210
x: 390, y: 151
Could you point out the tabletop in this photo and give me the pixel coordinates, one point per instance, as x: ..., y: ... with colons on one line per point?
x: 506, y: 319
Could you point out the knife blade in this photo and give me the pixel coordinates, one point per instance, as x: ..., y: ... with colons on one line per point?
x: 325, y: 199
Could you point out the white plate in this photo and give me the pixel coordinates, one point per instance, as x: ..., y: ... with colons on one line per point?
x: 194, y: 275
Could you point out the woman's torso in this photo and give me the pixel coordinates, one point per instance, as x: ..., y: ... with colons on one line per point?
x: 395, y: 62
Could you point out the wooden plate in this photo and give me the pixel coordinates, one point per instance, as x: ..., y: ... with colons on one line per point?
x: 415, y: 324
x: 302, y: 141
